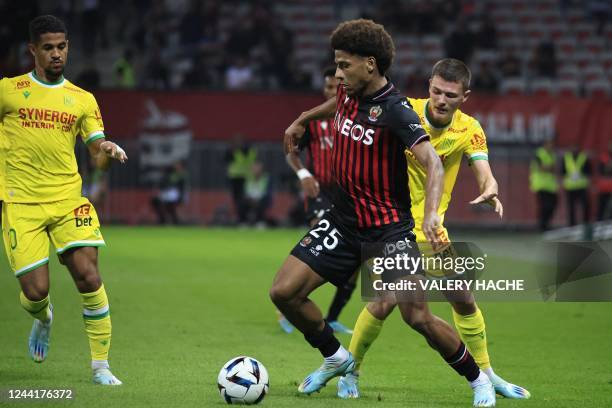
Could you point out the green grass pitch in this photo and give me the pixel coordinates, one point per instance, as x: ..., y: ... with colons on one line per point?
x: 184, y: 301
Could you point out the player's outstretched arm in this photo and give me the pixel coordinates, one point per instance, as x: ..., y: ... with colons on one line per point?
x: 487, y: 185
x: 103, y: 151
x: 295, y: 131
x: 310, y: 185
x: 427, y: 157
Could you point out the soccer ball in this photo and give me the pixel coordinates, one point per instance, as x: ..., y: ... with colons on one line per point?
x: 243, y: 380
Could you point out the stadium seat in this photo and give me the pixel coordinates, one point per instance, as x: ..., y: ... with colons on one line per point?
x: 597, y: 88
x: 542, y: 86
x: 568, y: 87
x: 513, y: 86
x: 593, y: 71
x: 568, y: 71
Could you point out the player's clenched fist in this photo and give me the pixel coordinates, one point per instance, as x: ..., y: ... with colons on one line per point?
x: 310, y: 186
x: 114, y: 151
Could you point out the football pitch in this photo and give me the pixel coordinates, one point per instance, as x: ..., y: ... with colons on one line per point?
x: 185, y: 300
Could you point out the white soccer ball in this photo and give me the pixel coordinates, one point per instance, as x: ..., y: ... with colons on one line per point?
x: 243, y: 380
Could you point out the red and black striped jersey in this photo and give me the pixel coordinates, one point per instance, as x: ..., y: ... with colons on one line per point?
x: 369, y: 166
x: 318, y: 141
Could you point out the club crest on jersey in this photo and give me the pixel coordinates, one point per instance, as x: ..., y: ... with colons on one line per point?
x: 306, y: 241
x: 375, y: 112
x: 68, y: 100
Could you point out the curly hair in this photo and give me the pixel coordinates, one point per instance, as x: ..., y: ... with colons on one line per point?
x: 367, y: 39
x: 46, y: 24
x: 453, y: 70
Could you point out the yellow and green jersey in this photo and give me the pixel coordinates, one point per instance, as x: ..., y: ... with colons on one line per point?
x: 3, y: 151
x: 40, y: 123
x: 463, y: 136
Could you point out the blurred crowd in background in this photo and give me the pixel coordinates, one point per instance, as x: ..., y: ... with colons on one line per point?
x: 517, y: 46
x: 189, y: 170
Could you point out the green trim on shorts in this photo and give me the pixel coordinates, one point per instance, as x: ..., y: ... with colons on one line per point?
x: 84, y: 243
x: 31, y: 267
x: 97, y: 317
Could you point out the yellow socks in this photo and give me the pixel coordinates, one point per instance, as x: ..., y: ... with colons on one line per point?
x: 40, y: 309
x: 367, y: 328
x: 471, y: 328
x: 97, y: 324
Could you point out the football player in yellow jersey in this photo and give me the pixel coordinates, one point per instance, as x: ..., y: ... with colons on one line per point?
x: 42, y: 113
x: 454, y: 135
x: 3, y: 150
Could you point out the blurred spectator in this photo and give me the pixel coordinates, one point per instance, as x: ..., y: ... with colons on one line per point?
x: 450, y: 10
x: 279, y: 43
x: 486, y: 80
x: 124, y: 71
x: 171, y: 194
x: 89, y: 77
x: 241, y: 37
x: 157, y: 75
x: 417, y: 80
x: 509, y: 65
x: 543, y: 182
x: 239, y: 75
x: 257, y: 196
x: 240, y: 158
x: 576, y: 181
x: 424, y: 16
x: 544, y: 62
x: 159, y: 24
x: 599, y: 11
x: 486, y: 36
x: 459, y: 43
x: 604, y: 185
x: 201, y: 75
x: 192, y: 25
x: 93, y: 25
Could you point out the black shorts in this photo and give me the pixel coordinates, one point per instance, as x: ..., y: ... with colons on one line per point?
x: 316, y: 207
x: 335, y: 252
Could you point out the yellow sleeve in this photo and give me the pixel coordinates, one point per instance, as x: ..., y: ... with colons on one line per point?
x: 92, y: 127
x: 2, y: 86
x: 476, y: 146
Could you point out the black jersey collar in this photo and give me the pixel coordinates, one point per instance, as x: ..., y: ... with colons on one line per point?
x: 381, y: 93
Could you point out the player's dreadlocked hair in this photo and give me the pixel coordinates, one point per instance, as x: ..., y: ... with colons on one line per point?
x: 367, y: 39
x: 453, y: 70
x: 46, y: 24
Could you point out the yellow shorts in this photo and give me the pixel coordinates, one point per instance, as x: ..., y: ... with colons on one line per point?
x: 27, y: 229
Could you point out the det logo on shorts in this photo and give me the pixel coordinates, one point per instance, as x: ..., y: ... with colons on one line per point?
x: 82, y: 217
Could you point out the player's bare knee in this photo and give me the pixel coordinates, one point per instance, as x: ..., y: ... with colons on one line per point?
x: 464, y: 308
x: 416, y: 316
x: 280, y: 294
x: 87, y: 278
x: 380, y: 310
x: 35, y: 292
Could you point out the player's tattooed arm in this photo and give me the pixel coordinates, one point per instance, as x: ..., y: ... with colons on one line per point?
x: 427, y: 157
x: 295, y: 131
x: 103, y: 151
x: 487, y: 185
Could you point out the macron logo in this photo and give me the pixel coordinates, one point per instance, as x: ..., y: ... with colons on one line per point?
x: 414, y: 126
